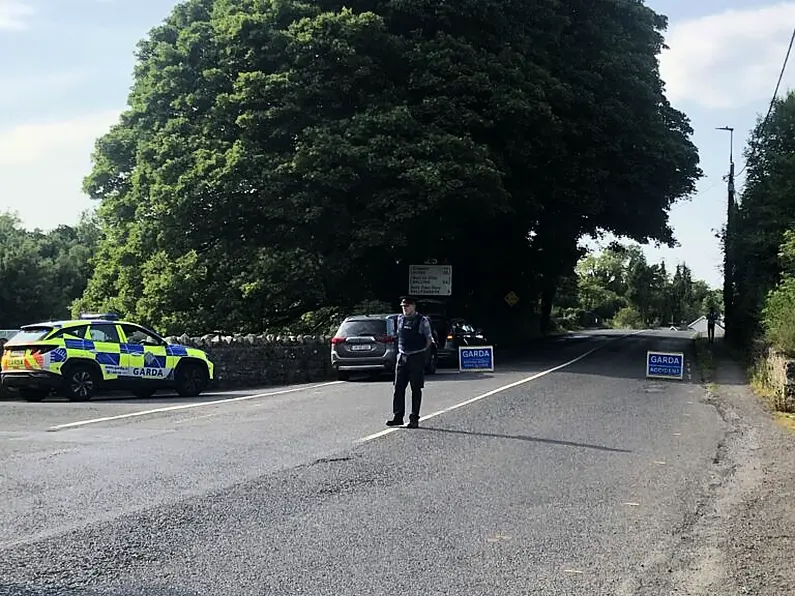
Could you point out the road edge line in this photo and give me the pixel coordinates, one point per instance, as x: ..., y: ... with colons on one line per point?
x: 187, y: 406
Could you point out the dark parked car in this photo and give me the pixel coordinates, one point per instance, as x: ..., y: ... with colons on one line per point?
x: 455, y: 333
x: 368, y: 343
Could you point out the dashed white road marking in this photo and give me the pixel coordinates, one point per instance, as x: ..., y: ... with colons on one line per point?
x: 538, y: 375
x: 498, y: 538
x: 189, y: 406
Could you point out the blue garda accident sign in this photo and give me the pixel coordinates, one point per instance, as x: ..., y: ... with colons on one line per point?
x: 665, y: 365
x: 476, y: 359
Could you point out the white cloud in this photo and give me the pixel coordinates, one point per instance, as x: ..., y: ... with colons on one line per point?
x: 21, y: 89
x: 39, y: 143
x: 14, y: 15
x: 728, y: 60
x: 42, y: 166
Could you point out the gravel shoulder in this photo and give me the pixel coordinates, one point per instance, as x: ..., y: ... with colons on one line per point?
x: 740, y: 537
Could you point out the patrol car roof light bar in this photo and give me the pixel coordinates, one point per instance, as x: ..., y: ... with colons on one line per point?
x: 109, y: 316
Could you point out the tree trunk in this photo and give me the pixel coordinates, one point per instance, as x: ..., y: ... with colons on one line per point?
x: 547, y: 295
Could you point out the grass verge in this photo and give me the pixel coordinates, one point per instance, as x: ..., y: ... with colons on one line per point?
x: 705, y: 361
x: 756, y: 375
x: 786, y: 420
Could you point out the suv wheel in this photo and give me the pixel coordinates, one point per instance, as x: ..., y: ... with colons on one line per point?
x: 80, y: 382
x: 191, y: 379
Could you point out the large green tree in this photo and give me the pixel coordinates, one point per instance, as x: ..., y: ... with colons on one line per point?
x: 281, y: 156
x: 766, y: 211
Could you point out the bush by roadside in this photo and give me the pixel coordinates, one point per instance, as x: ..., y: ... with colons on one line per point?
x: 778, y: 318
x: 628, y: 318
x: 766, y: 336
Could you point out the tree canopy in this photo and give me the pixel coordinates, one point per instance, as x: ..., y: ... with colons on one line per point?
x: 761, y: 237
x: 617, y: 286
x: 41, y: 274
x: 277, y: 157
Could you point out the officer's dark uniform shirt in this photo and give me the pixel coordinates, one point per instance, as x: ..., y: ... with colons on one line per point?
x: 413, y: 333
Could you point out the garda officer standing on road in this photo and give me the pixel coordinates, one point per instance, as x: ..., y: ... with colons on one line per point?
x: 414, y: 338
x: 712, y: 318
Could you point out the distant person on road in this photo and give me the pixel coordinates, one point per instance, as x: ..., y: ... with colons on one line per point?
x: 414, y: 338
x: 712, y: 318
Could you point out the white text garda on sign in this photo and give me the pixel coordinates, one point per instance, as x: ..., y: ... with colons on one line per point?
x: 475, y: 353
x: 665, y: 359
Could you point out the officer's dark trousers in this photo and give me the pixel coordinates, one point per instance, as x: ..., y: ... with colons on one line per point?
x: 409, y: 370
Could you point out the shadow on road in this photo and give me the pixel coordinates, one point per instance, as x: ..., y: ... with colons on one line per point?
x: 525, y: 438
x: 441, y: 375
x: 626, y: 358
x: 33, y: 590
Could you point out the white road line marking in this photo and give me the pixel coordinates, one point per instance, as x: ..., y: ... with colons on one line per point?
x: 188, y: 406
x: 631, y: 504
x: 538, y: 375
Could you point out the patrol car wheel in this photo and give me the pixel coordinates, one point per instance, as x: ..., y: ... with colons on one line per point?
x: 191, y: 379
x: 81, y: 383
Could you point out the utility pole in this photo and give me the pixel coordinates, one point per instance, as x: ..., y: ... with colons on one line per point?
x: 728, y: 242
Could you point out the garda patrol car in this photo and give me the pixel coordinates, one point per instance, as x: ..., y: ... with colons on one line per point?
x: 76, y: 357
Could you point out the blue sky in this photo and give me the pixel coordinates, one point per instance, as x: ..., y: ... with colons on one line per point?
x: 72, y: 68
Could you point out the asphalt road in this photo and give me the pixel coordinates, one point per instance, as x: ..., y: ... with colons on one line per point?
x: 564, y: 472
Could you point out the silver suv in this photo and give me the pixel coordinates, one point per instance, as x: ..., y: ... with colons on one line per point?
x: 368, y: 343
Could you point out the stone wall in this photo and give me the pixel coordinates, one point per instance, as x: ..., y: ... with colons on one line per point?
x: 261, y: 360
x: 777, y: 372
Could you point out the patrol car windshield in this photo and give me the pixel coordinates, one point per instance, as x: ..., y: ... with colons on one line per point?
x: 362, y: 328
x: 30, y: 334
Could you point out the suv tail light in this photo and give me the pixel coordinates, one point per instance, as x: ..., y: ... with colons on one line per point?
x: 385, y: 339
x: 337, y: 340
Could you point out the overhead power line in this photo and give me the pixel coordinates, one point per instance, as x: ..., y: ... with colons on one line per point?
x: 707, y: 189
x: 775, y: 92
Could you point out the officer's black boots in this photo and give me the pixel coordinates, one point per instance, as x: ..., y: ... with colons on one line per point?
x: 414, y: 421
